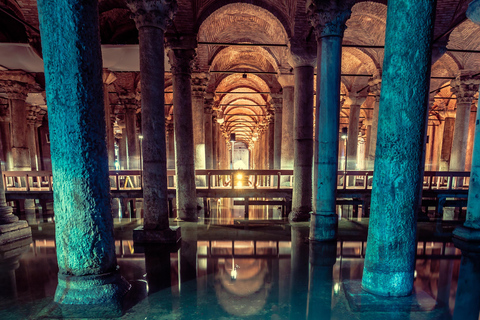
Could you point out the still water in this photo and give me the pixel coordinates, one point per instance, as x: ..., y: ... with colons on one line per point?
x: 222, y: 270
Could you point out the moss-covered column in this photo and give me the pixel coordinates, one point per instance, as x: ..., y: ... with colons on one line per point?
x: 375, y: 87
x: 277, y: 103
x: 399, y: 161
x: 329, y: 24
x: 464, y: 87
x: 151, y: 18
x: 471, y: 229
x: 85, y: 242
x: 181, y: 60
x: 303, y: 136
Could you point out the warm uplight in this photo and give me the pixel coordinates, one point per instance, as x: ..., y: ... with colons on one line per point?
x: 344, y: 133
x: 140, y: 137
x: 336, y: 288
x: 239, y: 176
x: 233, y: 274
x: 239, y: 183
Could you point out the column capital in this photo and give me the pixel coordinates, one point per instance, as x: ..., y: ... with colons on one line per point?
x: 277, y: 101
x: 473, y: 11
x: 199, y: 83
x: 286, y: 80
x: 355, y: 99
x: 181, y: 60
x: 302, y: 53
x: 16, y: 84
x: 32, y: 112
x: 464, y: 87
x: 375, y: 87
x: 329, y: 19
x: 152, y: 13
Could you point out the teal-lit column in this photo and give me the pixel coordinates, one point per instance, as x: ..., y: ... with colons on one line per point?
x: 329, y: 24
x: 399, y: 161
x: 470, y: 231
x: 85, y: 244
x: 181, y: 60
x: 303, y: 137
x: 151, y: 19
x: 277, y: 103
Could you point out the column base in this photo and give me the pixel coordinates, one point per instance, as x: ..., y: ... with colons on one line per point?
x: 323, y: 227
x: 299, y: 215
x: 388, y: 284
x: 466, y: 238
x: 168, y: 236
x: 14, y: 231
x: 97, y: 296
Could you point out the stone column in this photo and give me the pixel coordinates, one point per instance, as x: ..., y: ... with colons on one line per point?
x: 208, y: 111
x: 17, y: 88
x: 287, y: 83
x: 464, y: 87
x: 471, y: 229
x: 199, y: 83
x: 170, y: 145
x: 277, y: 102
x: 6, y: 136
x: 85, y: 241
x: 271, y: 139
x: 151, y: 19
x: 445, y: 154
x: 109, y: 78
x: 399, y: 161
x: 375, y: 87
x: 181, y: 61
x: 353, y: 125
x: 122, y: 148
x: 329, y: 24
x: 133, y: 153
x: 32, y: 136
x: 471, y: 136
x: 303, y: 136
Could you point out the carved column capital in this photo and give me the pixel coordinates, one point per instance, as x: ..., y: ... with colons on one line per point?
x: 152, y: 13
x: 277, y: 101
x: 464, y: 87
x: 375, y: 87
x: 181, y: 60
x: 199, y: 83
x: 328, y: 19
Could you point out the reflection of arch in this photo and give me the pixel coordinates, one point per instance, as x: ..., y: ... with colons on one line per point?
x: 247, y: 294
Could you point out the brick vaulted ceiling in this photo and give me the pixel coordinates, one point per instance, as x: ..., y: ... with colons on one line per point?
x: 254, y: 69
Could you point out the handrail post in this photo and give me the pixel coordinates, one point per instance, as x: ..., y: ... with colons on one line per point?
x: 255, y: 181
x: 279, y: 175
x: 208, y: 182
x: 27, y: 183
x: 231, y: 180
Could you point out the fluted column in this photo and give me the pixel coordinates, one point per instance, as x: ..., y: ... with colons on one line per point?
x: 375, y: 87
x: 277, y: 103
x: 181, y: 61
x: 329, y: 24
x: 399, y: 160
x: 303, y: 68
x: 464, y: 87
x: 151, y: 18
x: 84, y: 236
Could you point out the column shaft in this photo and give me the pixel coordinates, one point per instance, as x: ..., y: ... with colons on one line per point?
x: 278, y: 138
x: 324, y: 220
x: 133, y: 153
x: 155, y: 197
x: 6, y: 137
x: 271, y: 145
x: 373, y: 134
x: 208, y: 140
x: 397, y: 183
x: 85, y: 241
x: 303, y: 144
x: 20, y: 151
x: 352, y: 140
x: 199, y: 130
x: 460, y: 136
x: 287, y: 128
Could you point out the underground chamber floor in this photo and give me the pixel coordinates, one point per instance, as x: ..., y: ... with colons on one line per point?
x: 256, y: 271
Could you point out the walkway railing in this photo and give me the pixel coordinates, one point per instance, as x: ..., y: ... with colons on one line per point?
x: 124, y: 180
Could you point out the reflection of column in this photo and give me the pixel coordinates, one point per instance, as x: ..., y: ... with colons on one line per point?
x: 375, y: 87
x: 181, y: 61
x: 299, y: 272
x: 467, y: 297
x: 329, y: 24
x: 151, y: 19
x: 277, y: 102
x: 303, y: 137
x: 399, y: 161
x: 322, y: 258
x: 157, y: 266
x: 85, y: 242
x: 464, y: 87
x: 208, y: 103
